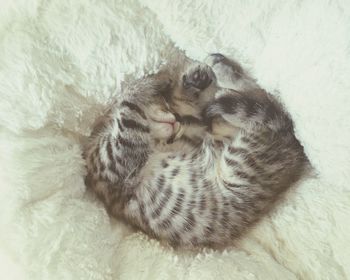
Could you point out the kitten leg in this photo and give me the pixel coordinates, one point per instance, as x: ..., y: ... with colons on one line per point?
x: 242, y: 104
x: 248, y: 110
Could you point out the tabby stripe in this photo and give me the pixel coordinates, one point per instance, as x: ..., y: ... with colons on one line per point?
x: 113, y: 168
x: 202, y: 203
x: 251, y: 107
x: 188, y: 140
x: 209, y: 230
x: 175, y: 172
x: 233, y: 150
x: 195, y: 188
x: 206, y: 184
x: 135, y: 108
x: 156, y: 213
x: 164, y: 163
x: 160, y: 182
x: 165, y: 199
x: 153, y: 196
x: 251, y: 162
x: 171, y: 139
x: 225, y: 221
x: 195, y: 155
x: 175, y: 238
x: 120, y: 160
x: 243, y: 175
x: 234, y: 233
x: 244, y: 198
x: 102, y: 166
x: 231, y: 186
x: 231, y: 162
x: 227, y: 104
x: 190, y: 120
x: 112, y: 163
x: 193, y: 202
x: 143, y: 216
x: 89, y: 181
x: 110, y: 151
x: 214, y: 209
x: 193, y: 178
x: 238, y: 207
x: 245, y: 139
x: 116, y: 143
x: 120, y: 125
x: 190, y: 222
x: 131, y: 124
x: 126, y: 143
x: 143, y: 157
x: 253, y: 141
x: 178, y: 204
x: 194, y: 241
x: 165, y: 224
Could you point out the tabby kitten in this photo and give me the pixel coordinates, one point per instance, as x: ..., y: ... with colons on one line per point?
x: 193, y: 159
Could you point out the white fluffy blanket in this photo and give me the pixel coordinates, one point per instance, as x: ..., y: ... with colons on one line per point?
x: 61, y: 61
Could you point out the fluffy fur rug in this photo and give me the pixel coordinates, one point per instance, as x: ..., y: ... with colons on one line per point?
x: 60, y: 63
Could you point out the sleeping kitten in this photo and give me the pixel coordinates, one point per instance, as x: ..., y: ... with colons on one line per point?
x: 194, y: 159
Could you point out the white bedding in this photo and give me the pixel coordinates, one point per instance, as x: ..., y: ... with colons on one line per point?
x: 61, y: 61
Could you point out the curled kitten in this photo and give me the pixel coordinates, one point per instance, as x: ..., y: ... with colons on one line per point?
x: 194, y: 159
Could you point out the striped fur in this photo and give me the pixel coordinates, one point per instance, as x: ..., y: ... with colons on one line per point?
x: 192, y: 162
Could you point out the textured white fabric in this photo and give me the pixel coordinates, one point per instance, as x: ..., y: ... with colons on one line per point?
x: 61, y: 61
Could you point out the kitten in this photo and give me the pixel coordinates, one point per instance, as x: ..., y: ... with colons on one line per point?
x: 194, y: 159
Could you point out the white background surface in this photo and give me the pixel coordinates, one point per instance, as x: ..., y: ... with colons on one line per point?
x: 61, y: 61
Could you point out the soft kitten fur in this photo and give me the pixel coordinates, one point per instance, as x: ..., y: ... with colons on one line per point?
x: 196, y: 158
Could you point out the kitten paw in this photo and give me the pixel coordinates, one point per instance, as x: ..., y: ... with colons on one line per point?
x: 199, y: 77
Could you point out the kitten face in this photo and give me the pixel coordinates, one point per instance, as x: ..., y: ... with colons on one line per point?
x: 175, y: 106
x: 186, y: 100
